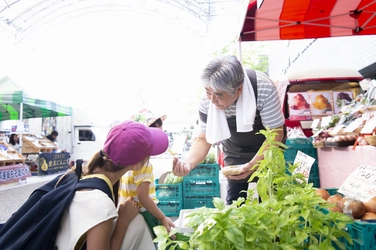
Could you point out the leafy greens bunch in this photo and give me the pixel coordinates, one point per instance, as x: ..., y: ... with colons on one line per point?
x: 289, y: 216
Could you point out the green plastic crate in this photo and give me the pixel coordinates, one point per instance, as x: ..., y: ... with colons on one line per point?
x: 169, y: 192
x: 204, y: 171
x: 299, y: 144
x: 170, y: 208
x: 205, y: 187
x: 363, y: 235
x: 197, y: 201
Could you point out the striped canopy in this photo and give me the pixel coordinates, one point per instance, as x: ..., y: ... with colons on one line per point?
x: 14, y: 101
x: 305, y: 19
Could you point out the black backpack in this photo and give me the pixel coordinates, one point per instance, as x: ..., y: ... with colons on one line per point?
x: 36, y: 223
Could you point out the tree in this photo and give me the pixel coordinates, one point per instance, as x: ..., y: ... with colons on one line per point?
x: 253, y: 54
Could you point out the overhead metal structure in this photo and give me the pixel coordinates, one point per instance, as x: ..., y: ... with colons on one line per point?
x: 22, y: 17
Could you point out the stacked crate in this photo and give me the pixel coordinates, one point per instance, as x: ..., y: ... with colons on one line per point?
x: 201, y: 186
x: 170, y: 198
x: 304, y: 145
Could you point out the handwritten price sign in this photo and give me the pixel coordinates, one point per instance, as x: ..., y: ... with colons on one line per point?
x: 361, y: 184
x: 305, y: 163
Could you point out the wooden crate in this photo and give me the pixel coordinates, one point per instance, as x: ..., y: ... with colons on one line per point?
x: 11, y: 157
x: 33, y: 145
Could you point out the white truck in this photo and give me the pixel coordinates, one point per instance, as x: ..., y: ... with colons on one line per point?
x: 86, y: 138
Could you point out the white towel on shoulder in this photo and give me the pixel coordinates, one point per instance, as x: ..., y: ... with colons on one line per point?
x: 217, y: 127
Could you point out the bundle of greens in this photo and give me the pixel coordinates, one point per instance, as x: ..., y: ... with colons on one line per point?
x: 290, y: 215
x: 173, y: 179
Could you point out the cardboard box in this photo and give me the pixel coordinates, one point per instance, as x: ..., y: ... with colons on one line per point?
x: 321, y: 103
x: 340, y: 98
x: 299, y: 107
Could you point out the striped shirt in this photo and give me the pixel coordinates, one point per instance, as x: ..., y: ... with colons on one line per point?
x: 132, y: 179
x: 268, y: 104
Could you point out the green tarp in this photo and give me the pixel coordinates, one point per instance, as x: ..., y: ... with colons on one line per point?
x: 11, y: 97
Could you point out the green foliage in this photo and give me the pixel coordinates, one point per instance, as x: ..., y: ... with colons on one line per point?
x: 173, y: 179
x: 290, y: 215
x: 253, y: 54
x: 209, y: 159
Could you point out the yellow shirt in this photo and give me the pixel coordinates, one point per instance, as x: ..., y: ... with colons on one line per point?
x: 132, y: 179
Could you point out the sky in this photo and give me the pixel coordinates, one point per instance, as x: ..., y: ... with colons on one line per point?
x: 112, y: 65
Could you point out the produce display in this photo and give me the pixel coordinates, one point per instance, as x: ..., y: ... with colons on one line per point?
x: 9, y: 156
x: 353, y: 118
x: 290, y: 214
x: 352, y: 207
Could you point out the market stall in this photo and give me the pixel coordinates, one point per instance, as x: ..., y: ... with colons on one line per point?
x: 17, y: 105
x: 12, y: 165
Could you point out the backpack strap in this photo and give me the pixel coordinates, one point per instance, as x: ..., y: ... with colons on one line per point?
x: 95, y: 183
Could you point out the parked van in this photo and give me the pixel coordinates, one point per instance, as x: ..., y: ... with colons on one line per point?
x: 87, y: 140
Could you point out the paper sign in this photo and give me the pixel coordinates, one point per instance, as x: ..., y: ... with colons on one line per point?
x: 305, y: 163
x: 325, y: 121
x: 316, y: 134
x: 369, y: 126
x: 315, y: 123
x: 352, y: 126
x: 336, y: 129
x: 361, y: 184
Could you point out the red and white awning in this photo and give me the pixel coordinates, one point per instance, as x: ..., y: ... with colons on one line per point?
x: 304, y: 19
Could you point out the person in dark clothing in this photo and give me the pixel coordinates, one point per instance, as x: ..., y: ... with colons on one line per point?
x: 52, y: 137
x: 236, y: 105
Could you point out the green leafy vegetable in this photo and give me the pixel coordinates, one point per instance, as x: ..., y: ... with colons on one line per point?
x: 290, y: 215
x: 173, y: 179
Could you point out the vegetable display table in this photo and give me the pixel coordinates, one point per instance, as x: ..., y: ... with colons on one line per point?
x: 337, y: 163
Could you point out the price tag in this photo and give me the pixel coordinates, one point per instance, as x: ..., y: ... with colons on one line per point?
x: 361, y: 184
x: 369, y: 126
x: 325, y: 121
x: 352, y: 126
x: 305, y: 163
x: 336, y: 129
x: 317, y: 133
x: 315, y: 123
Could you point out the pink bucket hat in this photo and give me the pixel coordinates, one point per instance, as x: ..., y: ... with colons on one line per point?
x: 130, y: 142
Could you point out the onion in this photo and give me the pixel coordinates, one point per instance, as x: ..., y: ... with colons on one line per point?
x: 335, y: 209
x: 371, y: 205
x: 341, y: 202
x: 368, y: 216
x: 354, y: 208
x: 323, y: 193
x: 334, y: 198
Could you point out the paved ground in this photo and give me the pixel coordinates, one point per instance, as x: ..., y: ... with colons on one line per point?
x: 13, y: 196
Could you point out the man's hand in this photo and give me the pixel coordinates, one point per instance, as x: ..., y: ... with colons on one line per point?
x: 180, y: 168
x: 246, y: 171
